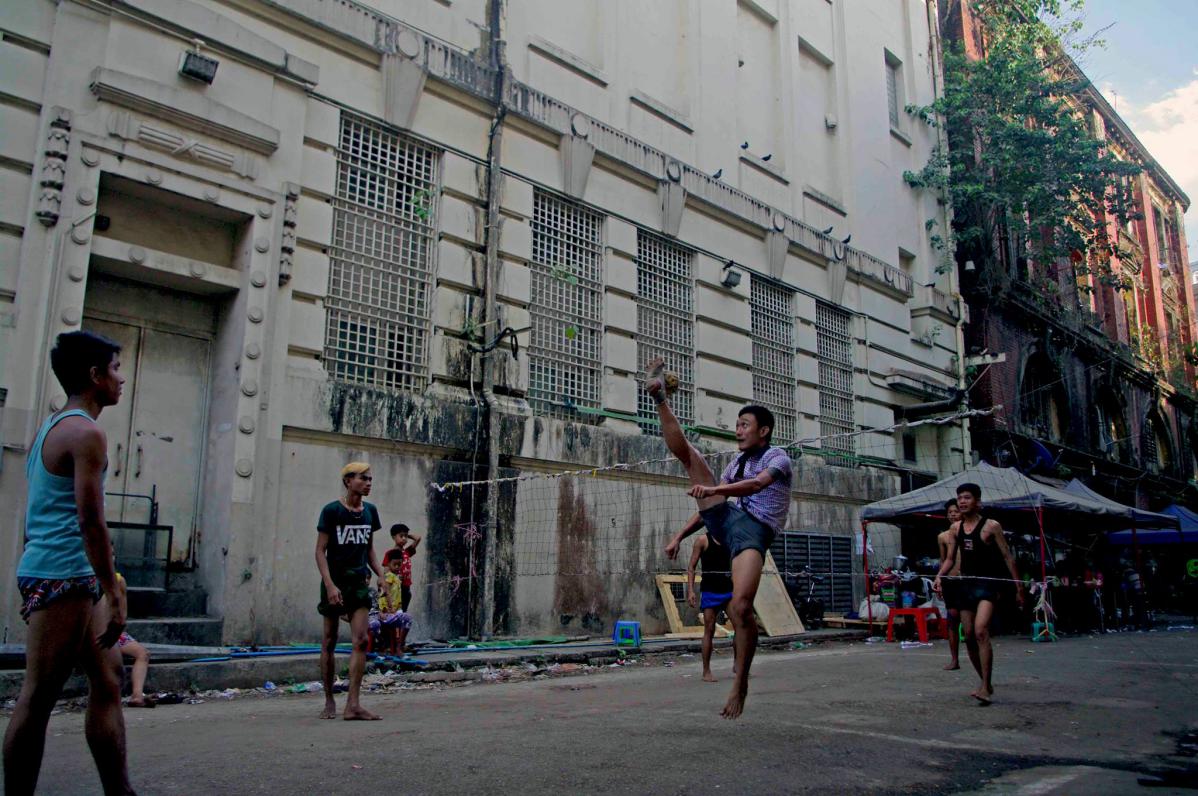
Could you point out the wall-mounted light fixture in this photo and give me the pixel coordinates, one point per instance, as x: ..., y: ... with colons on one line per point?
x: 731, y: 275
x: 969, y: 266
x: 197, y: 66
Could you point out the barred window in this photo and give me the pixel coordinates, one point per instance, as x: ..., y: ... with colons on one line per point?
x: 380, y: 260
x: 565, y: 353
x: 834, y: 352
x: 772, y: 317
x: 1154, y: 442
x: 893, y: 92
x: 665, y: 321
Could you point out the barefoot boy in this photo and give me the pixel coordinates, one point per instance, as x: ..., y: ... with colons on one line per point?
x: 715, y: 590
x: 345, y: 558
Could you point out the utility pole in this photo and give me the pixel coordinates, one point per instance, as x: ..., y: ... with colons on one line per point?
x: 497, y: 62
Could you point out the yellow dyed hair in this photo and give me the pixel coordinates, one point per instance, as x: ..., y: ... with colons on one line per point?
x: 353, y: 468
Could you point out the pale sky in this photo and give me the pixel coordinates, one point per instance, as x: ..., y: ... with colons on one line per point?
x: 1149, y: 72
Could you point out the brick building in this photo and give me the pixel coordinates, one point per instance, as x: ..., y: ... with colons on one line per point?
x: 1096, y: 382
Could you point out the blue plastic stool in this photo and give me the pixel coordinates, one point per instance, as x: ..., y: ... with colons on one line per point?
x: 627, y: 634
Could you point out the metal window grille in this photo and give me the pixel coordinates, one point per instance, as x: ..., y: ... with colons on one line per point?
x: 892, y: 95
x: 834, y: 352
x: 565, y: 358
x: 381, y: 258
x: 665, y: 321
x: 829, y: 557
x: 772, y: 316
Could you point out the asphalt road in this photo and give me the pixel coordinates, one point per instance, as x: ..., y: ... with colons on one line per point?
x: 1088, y: 715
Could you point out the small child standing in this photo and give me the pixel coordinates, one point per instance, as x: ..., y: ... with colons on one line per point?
x: 390, y: 612
x: 405, y: 547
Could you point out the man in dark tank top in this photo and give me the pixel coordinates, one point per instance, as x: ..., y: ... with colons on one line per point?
x: 715, y: 590
x: 986, y: 562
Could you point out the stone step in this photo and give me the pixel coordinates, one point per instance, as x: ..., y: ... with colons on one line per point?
x: 146, y: 602
x: 202, y: 631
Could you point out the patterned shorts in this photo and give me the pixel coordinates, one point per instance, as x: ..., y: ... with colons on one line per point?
x: 37, y: 593
x: 399, y: 619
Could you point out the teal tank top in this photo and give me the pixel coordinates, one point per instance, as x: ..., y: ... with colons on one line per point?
x: 53, y: 541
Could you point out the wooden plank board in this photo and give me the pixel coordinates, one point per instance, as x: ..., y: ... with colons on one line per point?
x: 775, y: 612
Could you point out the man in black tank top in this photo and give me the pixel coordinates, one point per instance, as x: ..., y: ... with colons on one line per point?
x: 715, y: 590
x: 985, y: 562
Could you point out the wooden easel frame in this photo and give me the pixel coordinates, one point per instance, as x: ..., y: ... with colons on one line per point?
x: 776, y: 613
x: 677, y: 629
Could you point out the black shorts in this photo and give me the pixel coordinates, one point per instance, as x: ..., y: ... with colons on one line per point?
x: 737, y: 529
x: 355, y: 594
x: 405, y: 596
x: 974, y: 591
x: 950, y: 590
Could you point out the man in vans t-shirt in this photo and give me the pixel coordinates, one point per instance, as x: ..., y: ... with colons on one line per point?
x: 345, y: 558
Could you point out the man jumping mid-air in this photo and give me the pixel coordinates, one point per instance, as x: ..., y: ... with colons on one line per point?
x: 760, y: 477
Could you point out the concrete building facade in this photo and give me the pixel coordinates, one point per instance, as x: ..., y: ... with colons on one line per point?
x: 444, y: 237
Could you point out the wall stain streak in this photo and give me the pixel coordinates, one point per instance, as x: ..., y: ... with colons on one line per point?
x: 578, y: 589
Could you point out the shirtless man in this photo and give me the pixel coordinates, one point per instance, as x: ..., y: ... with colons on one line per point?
x: 66, y: 568
x: 985, y: 561
x: 760, y: 477
x: 952, y: 586
x: 715, y: 591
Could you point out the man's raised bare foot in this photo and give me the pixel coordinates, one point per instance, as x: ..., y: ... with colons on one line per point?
x: 359, y: 714
x: 330, y: 710
x: 708, y: 677
x: 735, y: 704
x: 949, y: 667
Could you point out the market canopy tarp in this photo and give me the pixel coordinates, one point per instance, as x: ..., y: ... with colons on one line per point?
x: 1187, y: 534
x: 1003, y: 489
x: 1141, y: 518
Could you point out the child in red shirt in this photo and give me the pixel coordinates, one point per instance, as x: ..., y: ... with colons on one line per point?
x: 405, y: 547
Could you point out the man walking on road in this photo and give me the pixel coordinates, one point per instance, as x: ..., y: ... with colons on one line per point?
x: 986, y: 561
x: 66, y: 568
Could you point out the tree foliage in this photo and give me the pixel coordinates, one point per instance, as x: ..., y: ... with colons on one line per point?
x: 1023, y: 167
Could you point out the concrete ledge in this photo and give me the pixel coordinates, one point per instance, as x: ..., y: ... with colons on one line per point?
x: 443, y: 667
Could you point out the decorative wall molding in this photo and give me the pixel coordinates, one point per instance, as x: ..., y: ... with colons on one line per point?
x: 403, y: 78
x: 128, y: 127
x: 290, y: 220
x: 673, y: 199
x: 185, y: 109
x: 54, y: 166
x: 577, y: 156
